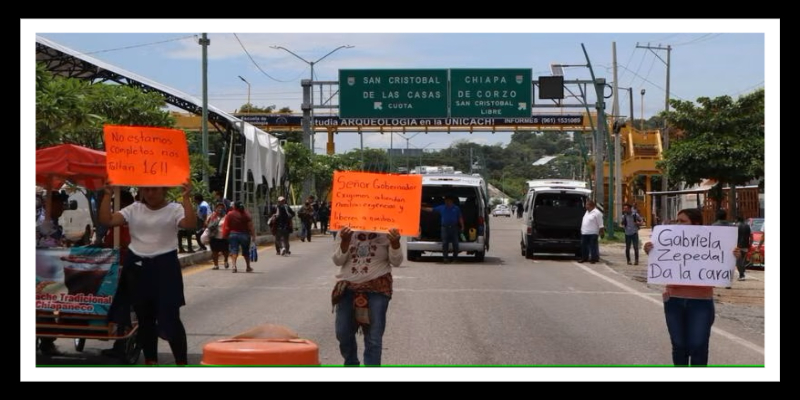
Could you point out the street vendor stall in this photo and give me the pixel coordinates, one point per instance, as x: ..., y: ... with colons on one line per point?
x: 75, y: 286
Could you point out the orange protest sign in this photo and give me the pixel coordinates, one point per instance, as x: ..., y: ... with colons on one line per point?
x: 376, y: 202
x: 146, y: 156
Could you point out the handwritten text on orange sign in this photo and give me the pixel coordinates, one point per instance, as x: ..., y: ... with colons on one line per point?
x: 146, y: 156
x: 376, y: 202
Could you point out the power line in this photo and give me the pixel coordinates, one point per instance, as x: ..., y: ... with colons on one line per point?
x: 256, y: 64
x: 749, y: 89
x: 141, y: 45
x: 704, y: 38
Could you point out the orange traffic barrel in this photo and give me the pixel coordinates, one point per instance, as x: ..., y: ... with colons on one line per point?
x: 260, y: 352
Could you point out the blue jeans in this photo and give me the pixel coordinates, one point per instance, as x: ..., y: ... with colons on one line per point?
x: 449, y: 235
x: 689, y: 324
x: 590, y: 247
x: 632, y: 240
x: 346, y: 327
x: 239, y: 240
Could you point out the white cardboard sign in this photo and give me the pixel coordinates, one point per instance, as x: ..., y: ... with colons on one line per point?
x: 692, y: 255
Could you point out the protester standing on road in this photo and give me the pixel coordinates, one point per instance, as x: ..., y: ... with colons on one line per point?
x: 689, y: 309
x: 631, y: 221
x: 239, y: 230
x: 151, y: 280
x: 217, y: 242
x: 452, y: 223
x: 591, y: 228
x: 744, y: 241
x: 362, y: 294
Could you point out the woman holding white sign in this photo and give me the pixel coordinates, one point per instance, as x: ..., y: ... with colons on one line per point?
x: 689, y: 310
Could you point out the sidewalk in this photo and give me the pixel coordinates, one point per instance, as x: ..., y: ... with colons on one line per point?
x: 199, y: 256
x: 747, y: 292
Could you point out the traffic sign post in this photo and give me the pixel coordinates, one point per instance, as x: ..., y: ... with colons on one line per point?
x: 393, y: 93
x: 476, y: 93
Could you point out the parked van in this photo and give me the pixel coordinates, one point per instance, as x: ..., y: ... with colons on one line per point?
x: 473, y: 200
x: 76, y: 220
x: 552, y: 217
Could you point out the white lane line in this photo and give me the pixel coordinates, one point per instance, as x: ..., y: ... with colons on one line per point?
x: 721, y: 332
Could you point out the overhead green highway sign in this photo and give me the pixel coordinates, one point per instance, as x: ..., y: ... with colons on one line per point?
x: 435, y: 93
x: 501, y: 93
x: 392, y: 93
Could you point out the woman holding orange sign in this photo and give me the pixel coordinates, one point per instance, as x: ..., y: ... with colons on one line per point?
x: 151, y: 280
x: 361, y: 296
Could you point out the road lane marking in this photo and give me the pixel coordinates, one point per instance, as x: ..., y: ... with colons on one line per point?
x: 721, y: 332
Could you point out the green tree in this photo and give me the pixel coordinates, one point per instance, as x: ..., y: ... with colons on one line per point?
x: 299, y: 166
x: 326, y: 165
x: 70, y: 110
x: 720, y: 138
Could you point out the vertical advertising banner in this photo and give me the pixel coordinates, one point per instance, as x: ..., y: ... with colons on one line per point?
x: 81, y: 280
x: 375, y: 202
x: 692, y: 255
x: 146, y: 156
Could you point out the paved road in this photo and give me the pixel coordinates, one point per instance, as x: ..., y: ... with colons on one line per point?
x: 504, y: 311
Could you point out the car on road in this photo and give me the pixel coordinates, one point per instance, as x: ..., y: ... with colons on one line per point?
x: 501, y: 210
x: 755, y: 255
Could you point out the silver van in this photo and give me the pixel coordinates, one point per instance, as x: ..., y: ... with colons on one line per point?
x: 553, y: 212
x: 473, y: 200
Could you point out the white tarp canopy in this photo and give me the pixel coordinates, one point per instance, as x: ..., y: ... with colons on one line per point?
x: 264, y: 156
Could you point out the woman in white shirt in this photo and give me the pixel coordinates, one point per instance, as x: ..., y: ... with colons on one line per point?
x: 151, y: 280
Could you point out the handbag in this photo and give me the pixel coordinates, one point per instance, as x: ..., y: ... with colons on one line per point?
x: 205, y: 238
x: 253, y: 252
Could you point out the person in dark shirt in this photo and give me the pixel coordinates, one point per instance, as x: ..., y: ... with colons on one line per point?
x: 452, y: 223
x: 324, y: 214
x: 744, y: 241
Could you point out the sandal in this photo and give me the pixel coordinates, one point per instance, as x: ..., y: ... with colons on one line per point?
x: 234, y: 270
x: 215, y: 267
x: 249, y: 269
x: 226, y: 265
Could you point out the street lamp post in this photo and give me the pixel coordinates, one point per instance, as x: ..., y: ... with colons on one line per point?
x: 310, y: 124
x: 642, y: 114
x: 248, y: 91
x: 311, y: 66
x: 407, y: 141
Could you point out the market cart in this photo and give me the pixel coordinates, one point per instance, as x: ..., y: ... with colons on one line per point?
x: 75, y: 286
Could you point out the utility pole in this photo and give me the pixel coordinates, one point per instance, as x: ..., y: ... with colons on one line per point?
x: 600, y: 139
x: 205, y: 42
x: 617, y: 157
x: 665, y: 133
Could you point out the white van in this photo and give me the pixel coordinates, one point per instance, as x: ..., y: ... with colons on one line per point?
x: 473, y: 200
x: 553, y: 212
x: 76, y: 220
